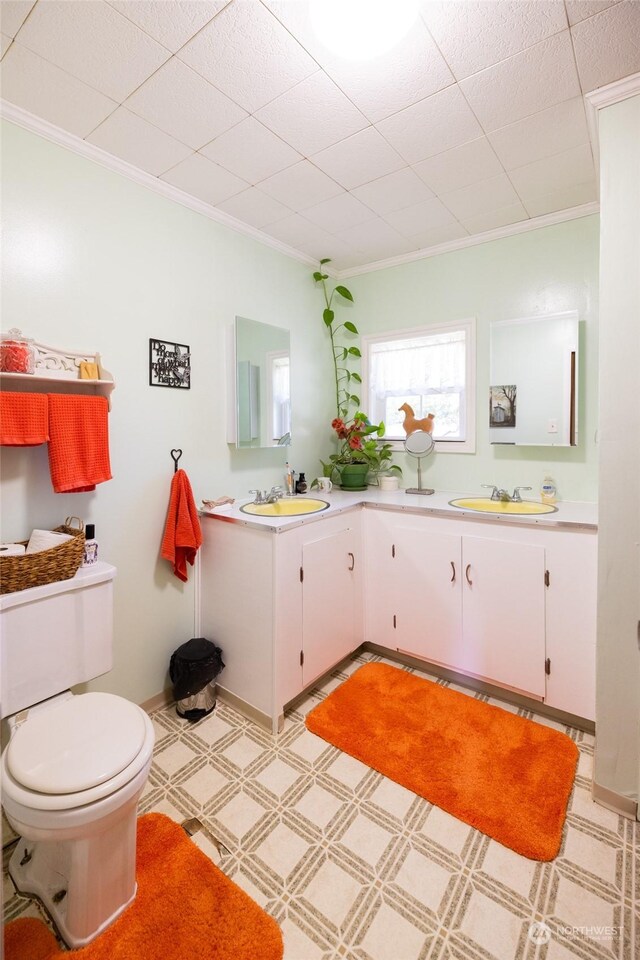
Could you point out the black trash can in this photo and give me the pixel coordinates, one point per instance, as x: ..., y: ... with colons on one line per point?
x: 193, y: 669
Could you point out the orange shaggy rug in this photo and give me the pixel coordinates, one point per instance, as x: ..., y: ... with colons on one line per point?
x: 504, y: 775
x: 185, y: 907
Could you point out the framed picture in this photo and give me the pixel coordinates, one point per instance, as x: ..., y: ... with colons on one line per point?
x: 502, y: 405
x: 169, y: 364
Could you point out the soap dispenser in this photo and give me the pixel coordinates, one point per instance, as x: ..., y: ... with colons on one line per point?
x: 548, y: 490
x: 301, y: 485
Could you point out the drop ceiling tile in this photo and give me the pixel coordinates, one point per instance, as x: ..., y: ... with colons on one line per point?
x: 496, y: 218
x: 313, y: 115
x: 541, y: 135
x: 393, y: 192
x: 171, y: 24
x: 249, y: 55
x: 254, y: 207
x: 13, y: 13
x: 184, y: 105
x: 607, y: 46
x: 44, y: 90
x: 481, y: 197
x: 301, y: 185
x: 525, y: 84
x: 418, y: 219
x: 412, y: 70
x: 551, y: 174
x: 434, y: 236
x: 133, y: 139
x: 203, y: 179
x: 94, y: 43
x: 301, y: 234
x: 475, y: 35
x: 431, y: 126
x: 573, y: 196
x: 363, y: 157
x: 377, y: 238
x: 578, y: 10
x: 459, y: 167
x: 251, y: 151
x: 5, y: 43
x: 338, y: 213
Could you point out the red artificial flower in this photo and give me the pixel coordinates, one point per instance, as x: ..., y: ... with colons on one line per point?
x: 337, y: 424
x: 355, y: 443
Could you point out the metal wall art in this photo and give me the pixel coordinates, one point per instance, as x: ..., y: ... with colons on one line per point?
x: 169, y: 364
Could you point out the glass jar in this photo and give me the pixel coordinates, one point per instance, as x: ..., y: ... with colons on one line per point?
x: 16, y: 353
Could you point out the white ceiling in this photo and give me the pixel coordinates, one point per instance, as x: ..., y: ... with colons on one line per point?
x: 476, y: 120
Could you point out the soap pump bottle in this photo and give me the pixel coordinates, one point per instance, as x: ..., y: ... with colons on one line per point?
x: 90, y: 546
x: 548, y: 490
x: 301, y: 485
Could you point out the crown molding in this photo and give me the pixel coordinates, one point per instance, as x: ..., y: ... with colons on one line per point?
x: 511, y: 230
x: 89, y: 151
x: 75, y: 144
x: 603, y: 97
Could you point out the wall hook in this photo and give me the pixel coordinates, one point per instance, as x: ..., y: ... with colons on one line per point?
x: 176, y: 454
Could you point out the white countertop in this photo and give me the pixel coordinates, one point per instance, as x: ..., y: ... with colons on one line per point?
x: 575, y: 514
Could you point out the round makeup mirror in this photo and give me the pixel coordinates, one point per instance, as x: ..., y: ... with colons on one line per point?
x: 419, y: 444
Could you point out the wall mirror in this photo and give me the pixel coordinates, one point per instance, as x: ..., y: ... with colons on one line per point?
x: 263, y: 395
x: 533, y: 392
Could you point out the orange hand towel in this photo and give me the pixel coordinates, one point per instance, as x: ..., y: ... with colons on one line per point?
x: 78, y: 442
x: 182, y: 534
x: 24, y: 419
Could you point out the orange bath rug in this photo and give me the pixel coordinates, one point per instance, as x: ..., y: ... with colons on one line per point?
x: 185, y: 907
x: 506, y: 776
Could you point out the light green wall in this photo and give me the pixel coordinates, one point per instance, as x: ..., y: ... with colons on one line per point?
x: 93, y: 261
x: 546, y: 271
x: 617, y: 758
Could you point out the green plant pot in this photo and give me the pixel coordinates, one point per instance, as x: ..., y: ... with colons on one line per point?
x: 353, y: 476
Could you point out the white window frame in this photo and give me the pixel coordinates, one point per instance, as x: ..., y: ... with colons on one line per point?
x: 467, y: 445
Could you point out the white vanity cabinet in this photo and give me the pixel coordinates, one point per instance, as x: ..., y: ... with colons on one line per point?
x: 510, y: 604
x: 284, y: 606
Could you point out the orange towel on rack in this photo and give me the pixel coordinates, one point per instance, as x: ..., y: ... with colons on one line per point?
x: 24, y: 419
x: 182, y: 534
x: 78, y: 442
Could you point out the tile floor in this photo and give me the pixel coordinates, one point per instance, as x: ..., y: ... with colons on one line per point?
x: 354, y: 866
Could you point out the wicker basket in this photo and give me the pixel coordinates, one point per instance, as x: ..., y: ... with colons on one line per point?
x: 46, y: 566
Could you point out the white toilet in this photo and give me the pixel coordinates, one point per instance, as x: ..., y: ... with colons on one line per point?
x: 75, y: 766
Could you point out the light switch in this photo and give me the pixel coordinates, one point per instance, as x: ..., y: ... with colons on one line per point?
x: 552, y: 426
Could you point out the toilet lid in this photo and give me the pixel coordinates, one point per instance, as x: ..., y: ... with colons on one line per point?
x: 76, y: 744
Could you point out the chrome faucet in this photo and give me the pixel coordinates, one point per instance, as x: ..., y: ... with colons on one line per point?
x: 503, y: 496
x: 261, y: 496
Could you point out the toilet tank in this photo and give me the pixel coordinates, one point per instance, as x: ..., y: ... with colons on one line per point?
x: 55, y: 636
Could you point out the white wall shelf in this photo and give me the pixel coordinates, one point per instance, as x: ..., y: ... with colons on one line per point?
x: 55, y: 369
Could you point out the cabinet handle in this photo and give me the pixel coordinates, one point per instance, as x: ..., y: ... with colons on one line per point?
x: 453, y: 572
x: 353, y: 561
x: 466, y: 573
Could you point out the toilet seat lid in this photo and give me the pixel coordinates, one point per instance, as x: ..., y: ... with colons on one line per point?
x: 76, y: 744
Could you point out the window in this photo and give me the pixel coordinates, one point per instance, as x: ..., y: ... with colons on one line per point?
x: 279, y: 394
x: 433, y: 370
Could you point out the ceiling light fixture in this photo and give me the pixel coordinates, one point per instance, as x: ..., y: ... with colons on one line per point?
x: 362, y: 29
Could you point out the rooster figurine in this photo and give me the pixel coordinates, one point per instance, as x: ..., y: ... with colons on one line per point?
x: 410, y: 423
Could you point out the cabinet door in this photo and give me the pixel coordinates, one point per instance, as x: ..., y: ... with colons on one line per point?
x: 329, y: 616
x: 426, y: 587
x: 504, y: 612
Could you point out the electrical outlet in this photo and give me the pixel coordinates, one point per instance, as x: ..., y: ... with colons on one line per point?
x: 552, y: 426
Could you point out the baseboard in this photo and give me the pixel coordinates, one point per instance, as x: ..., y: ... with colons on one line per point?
x: 625, y: 806
x: 481, y: 686
x: 246, y: 709
x: 162, y: 699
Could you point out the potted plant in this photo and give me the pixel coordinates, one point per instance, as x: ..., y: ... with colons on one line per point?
x: 363, y: 452
x: 361, y: 455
